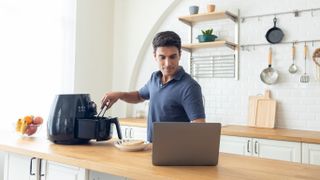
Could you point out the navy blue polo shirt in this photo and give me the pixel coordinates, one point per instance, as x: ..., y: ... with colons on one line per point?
x: 179, y: 100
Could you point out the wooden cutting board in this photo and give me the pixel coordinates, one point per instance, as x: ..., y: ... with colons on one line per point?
x: 262, y: 111
x: 252, y: 110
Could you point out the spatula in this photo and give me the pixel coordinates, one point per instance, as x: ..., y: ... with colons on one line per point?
x: 305, y: 77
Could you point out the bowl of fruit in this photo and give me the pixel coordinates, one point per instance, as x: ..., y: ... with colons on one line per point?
x: 28, y: 125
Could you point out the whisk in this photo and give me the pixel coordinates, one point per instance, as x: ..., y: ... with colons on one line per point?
x: 305, y: 77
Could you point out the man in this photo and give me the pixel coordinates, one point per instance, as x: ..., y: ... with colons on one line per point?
x: 174, y: 96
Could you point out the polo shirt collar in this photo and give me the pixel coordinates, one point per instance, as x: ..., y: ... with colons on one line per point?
x: 179, y: 74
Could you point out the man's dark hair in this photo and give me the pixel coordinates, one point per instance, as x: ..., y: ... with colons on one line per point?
x: 165, y: 39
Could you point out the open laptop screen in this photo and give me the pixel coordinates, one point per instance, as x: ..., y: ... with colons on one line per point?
x: 188, y: 144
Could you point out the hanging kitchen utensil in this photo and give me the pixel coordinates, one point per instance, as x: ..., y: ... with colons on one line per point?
x: 316, y: 60
x: 293, y: 68
x: 269, y: 75
x: 275, y: 34
x: 305, y: 77
x: 316, y: 57
x: 317, y: 73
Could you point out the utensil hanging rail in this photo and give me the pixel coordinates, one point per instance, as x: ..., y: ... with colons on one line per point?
x: 211, y: 57
x: 288, y: 42
x: 294, y: 12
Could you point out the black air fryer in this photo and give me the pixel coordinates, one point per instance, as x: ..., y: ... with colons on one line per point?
x: 73, y: 120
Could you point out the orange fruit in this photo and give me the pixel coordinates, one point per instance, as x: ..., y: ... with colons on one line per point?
x: 28, y: 119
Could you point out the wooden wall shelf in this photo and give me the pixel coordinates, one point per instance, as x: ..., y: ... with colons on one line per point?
x: 208, y: 17
x: 191, y: 20
x: 190, y: 47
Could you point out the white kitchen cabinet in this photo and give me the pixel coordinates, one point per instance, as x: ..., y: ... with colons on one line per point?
x: 58, y: 171
x: 311, y: 153
x: 264, y: 148
x: 236, y: 145
x: 93, y: 175
x: 19, y: 167
x: 280, y: 150
x: 132, y: 132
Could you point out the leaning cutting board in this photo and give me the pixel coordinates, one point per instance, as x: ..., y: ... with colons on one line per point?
x: 262, y: 111
x: 252, y: 110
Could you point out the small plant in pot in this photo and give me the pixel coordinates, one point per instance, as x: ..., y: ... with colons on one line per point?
x: 207, y: 36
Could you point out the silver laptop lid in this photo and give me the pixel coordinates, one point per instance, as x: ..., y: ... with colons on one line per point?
x: 188, y: 144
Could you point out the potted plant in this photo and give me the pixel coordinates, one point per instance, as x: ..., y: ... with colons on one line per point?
x: 207, y: 36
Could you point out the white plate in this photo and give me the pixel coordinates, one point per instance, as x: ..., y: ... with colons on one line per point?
x: 139, y: 147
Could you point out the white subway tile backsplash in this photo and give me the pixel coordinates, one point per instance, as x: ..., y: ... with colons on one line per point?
x: 226, y: 100
x: 313, y: 125
x: 298, y: 103
x: 305, y: 116
x: 292, y: 124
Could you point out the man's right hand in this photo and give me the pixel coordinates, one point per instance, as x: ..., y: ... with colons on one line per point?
x: 110, y: 98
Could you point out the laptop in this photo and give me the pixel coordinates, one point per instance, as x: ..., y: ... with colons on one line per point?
x: 185, y: 144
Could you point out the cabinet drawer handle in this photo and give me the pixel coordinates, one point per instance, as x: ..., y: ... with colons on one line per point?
x: 131, y: 133
x: 30, y: 172
x: 126, y: 132
x: 40, y: 168
x: 256, y: 147
x: 248, y: 146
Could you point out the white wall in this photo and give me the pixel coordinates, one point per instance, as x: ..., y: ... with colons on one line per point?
x: 94, y: 47
x: 128, y: 43
x: 133, y: 22
x: 2, y: 156
x: 227, y: 99
x: 109, y: 39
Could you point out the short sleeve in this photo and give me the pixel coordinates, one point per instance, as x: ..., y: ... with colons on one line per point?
x: 144, y: 91
x: 193, y: 103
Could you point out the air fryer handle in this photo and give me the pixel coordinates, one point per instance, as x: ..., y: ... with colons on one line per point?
x: 116, y: 122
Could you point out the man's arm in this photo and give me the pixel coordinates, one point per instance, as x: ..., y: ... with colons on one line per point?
x: 111, y: 97
x: 193, y: 104
x: 200, y: 120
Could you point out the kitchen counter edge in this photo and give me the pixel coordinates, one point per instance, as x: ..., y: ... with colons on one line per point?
x: 293, y: 135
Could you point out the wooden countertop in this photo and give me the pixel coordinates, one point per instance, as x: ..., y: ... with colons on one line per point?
x: 139, y: 122
x: 275, y: 134
x: 246, y: 131
x: 104, y: 157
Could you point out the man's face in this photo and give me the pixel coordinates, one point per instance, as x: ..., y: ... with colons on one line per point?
x: 168, y: 59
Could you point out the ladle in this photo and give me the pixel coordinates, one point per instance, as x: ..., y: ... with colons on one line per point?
x: 293, y: 67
